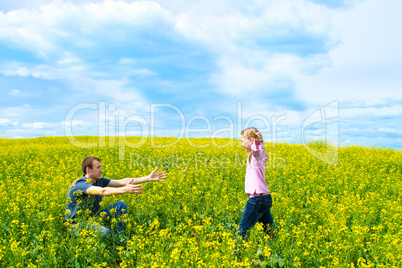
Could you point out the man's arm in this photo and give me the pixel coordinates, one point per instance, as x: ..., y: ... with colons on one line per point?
x: 106, y: 191
x: 154, y: 176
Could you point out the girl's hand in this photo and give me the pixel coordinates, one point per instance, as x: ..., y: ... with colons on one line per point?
x: 258, y: 136
x: 157, y: 176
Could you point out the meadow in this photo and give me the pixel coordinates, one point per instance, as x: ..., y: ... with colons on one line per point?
x: 344, y: 215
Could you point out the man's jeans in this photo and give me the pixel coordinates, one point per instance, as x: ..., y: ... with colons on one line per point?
x: 257, y: 209
x: 120, y: 208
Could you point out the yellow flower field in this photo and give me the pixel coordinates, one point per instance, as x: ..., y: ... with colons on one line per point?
x: 349, y: 215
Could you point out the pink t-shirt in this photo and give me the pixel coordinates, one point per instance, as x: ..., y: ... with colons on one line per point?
x: 255, y: 170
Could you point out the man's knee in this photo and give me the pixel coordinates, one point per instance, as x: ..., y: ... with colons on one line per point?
x: 121, y: 207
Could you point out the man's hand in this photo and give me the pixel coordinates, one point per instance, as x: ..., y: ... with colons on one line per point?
x: 133, y: 188
x: 154, y: 176
x: 157, y: 176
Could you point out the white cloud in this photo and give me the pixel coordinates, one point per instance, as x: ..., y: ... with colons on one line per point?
x: 7, y: 6
x: 14, y: 92
x: 280, y: 58
x: 11, y: 114
x: 40, y: 125
x: 4, y: 122
x: 68, y: 60
x: 75, y: 123
x: 23, y: 133
x: 42, y: 29
x: 250, y: 37
x: 25, y: 72
x: 389, y: 130
x: 370, y: 113
x: 366, y: 65
x: 16, y: 113
x: 112, y: 89
x: 254, y: 50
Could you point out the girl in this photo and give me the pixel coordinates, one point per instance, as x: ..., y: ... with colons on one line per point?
x: 259, y: 201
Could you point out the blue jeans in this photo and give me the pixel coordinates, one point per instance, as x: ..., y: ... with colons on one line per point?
x: 106, y: 215
x: 120, y: 209
x: 257, y: 209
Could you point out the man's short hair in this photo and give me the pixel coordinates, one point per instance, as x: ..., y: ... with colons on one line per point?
x: 88, y: 162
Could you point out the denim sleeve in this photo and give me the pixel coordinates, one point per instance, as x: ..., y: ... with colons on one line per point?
x: 81, y: 187
x: 74, y: 192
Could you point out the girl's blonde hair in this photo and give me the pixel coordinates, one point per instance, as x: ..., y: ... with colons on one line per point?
x: 251, y: 132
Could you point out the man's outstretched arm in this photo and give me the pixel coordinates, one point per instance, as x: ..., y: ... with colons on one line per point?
x: 106, y: 191
x: 154, y: 176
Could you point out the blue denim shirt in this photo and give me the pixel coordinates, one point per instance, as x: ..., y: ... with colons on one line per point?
x: 77, y: 200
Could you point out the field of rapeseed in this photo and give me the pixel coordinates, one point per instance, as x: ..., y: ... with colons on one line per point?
x: 349, y: 215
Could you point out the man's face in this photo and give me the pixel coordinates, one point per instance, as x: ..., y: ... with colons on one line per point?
x: 96, y: 171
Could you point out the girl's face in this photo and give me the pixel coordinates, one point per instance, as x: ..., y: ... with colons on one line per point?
x: 246, y: 143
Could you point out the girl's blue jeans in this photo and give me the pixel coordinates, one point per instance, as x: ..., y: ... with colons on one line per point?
x: 257, y: 209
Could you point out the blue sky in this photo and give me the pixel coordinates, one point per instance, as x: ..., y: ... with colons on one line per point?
x: 300, y: 70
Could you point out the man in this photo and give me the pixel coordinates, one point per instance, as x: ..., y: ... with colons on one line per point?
x: 85, y: 194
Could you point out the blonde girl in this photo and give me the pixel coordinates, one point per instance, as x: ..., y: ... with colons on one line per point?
x: 259, y: 200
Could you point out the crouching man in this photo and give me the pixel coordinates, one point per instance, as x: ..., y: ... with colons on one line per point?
x: 85, y: 194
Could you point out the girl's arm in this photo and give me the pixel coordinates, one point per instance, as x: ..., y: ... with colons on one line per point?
x: 257, y: 148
